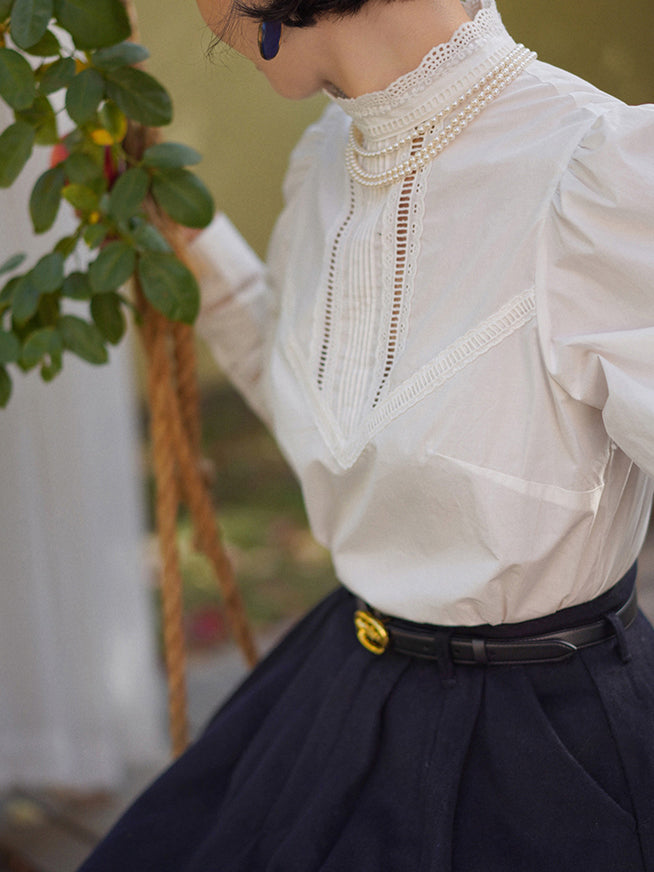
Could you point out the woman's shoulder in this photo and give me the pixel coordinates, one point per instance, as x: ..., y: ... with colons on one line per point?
x: 612, y: 161
x: 320, y: 144
x: 592, y: 115
x: 333, y: 122
x: 565, y: 131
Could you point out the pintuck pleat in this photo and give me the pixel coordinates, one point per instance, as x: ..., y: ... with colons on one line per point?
x: 330, y: 759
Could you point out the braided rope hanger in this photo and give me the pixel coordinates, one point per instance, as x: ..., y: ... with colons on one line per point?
x: 173, y: 398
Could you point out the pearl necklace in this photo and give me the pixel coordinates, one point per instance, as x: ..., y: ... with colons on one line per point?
x: 469, y: 105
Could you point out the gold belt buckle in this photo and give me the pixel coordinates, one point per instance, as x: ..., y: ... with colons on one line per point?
x: 371, y: 632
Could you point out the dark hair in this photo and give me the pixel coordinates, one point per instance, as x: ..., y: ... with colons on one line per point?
x: 297, y: 13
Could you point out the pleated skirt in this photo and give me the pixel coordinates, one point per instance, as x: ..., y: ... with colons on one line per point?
x: 331, y: 759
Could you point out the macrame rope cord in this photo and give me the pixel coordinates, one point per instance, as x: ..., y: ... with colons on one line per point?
x: 166, y: 508
x: 174, y: 400
x: 187, y: 383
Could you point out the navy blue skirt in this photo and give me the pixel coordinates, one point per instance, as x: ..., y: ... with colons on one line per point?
x: 331, y: 758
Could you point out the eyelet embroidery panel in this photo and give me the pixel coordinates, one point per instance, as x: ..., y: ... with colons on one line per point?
x: 361, y: 317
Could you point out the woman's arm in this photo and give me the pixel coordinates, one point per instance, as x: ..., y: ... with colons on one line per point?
x: 237, y: 311
x: 596, y: 278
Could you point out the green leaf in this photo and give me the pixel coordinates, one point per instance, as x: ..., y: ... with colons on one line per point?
x: 123, y: 55
x: 95, y: 234
x: 5, y: 8
x: 169, y: 286
x: 48, y: 274
x: 81, y: 197
x: 112, y: 267
x: 25, y: 300
x: 29, y: 21
x: 76, y: 139
x: 77, y: 286
x: 108, y: 316
x: 59, y: 75
x: 9, y: 347
x: 42, y: 117
x: 49, y: 371
x: 46, y: 130
x: 93, y: 24
x: 7, y: 293
x: 45, y: 199
x: 84, y: 95
x: 17, y: 86
x: 40, y: 343
x: 184, y: 197
x: 128, y: 193
x: 170, y: 156
x: 83, y: 339
x: 113, y: 120
x: 83, y: 169
x: 5, y: 387
x: 140, y: 96
x: 47, y: 47
x: 16, y: 145
x: 148, y: 238
x: 66, y: 245
x: 49, y: 308
x: 12, y: 263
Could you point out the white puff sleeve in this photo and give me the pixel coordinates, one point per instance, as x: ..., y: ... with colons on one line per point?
x: 239, y: 306
x: 595, y: 278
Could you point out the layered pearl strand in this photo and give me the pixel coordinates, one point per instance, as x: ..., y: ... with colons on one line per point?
x: 466, y: 106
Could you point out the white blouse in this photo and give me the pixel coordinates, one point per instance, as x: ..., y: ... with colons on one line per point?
x: 460, y: 366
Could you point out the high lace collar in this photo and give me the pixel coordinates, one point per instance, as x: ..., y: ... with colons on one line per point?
x: 445, y: 71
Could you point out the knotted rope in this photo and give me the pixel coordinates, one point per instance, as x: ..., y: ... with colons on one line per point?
x: 173, y: 398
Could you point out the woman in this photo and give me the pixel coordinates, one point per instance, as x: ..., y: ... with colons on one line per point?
x: 454, y: 345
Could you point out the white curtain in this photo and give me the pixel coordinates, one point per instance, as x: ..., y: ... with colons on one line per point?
x: 79, y: 685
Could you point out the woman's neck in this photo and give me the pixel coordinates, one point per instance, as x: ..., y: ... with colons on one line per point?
x: 385, y: 40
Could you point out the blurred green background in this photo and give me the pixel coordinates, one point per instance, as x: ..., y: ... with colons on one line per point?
x: 227, y: 110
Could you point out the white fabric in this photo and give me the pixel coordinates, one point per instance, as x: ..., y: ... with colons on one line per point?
x: 79, y: 686
x: 462, y: 373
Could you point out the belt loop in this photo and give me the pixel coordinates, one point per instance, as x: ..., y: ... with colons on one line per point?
x: 444, y: 658
x: 620, y: 636
x: 479, y: 651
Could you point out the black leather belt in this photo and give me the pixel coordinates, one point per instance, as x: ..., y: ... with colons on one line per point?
x: 378, y: 632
